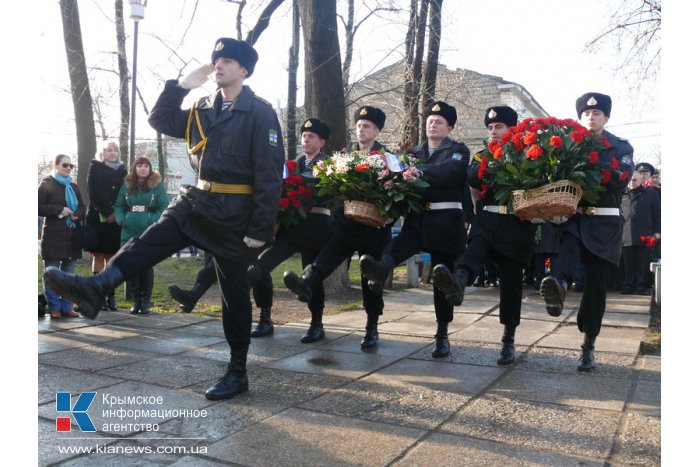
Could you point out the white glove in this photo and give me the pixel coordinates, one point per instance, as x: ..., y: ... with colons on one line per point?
x: 196, y: 78
x: 559, y: 220
x: 252, y: 243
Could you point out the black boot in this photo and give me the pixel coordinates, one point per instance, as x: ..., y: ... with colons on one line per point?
x: 264, y: 326
x: 452, y: 285
x: 111, y: 302
x: 376, y: 272
x: 88, y: 293
x: 371, y: 339
x: 553, y: 291
x: 187, y: 298
x: 302, y: 286
x: 508, y: 350
x: 442, y: 345
x: 146, y: 291
x: 235, y: 381
x: 586, y: 361
x: 135, y: 289
x: 315, y: 331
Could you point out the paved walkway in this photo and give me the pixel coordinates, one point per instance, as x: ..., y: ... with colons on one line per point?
x: 330, y: 404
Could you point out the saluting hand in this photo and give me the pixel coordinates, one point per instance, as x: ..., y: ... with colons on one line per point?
x: 196, y: 78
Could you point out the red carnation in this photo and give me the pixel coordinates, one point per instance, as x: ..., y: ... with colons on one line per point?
x: 530, y: 137
x: 493, y: 145
x: 374, y: 153
x: 623, y: 176
x: 556, y: 141
x: 284, y: 203
x: 298, y: 179
x: 293, y: 195
x: 606, y: 143
x: 289, y: 180
x: 534, y: 152
x: 577, y: 136
x: 296, y: 203
x: 498, y: 152
x: 506, y: 137
x: 291, y: 166
x: 361, y: 167
x: 606, y: 177
x: 614, y: 163
x: 593, y: 157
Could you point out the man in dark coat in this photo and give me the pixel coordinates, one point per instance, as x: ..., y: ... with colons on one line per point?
x: 307, y: 238
x: 439, y: 230
x: 642, y: 213
x: 497, y: 233
x: 593, y: 235
x: 235, y: 146
x: 348, y: 236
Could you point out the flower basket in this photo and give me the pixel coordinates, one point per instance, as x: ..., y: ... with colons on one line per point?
x: 548, y: 201
x: 365, y: 213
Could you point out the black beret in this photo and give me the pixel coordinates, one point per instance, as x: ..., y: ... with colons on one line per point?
x: 645, y: 167
x: 594, y: 100
x: 501, y: 114
x: 444, y: 110
x: 372, y: 114
x: 316, y: 126
x: 240, y: 51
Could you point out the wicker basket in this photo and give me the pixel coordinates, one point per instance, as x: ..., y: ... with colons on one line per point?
x: 365, y: 213
x: 548, y: 201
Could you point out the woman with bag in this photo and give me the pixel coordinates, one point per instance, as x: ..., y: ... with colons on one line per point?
x: 61, y: 203
x: 140, y: 202
x: 105, y: 177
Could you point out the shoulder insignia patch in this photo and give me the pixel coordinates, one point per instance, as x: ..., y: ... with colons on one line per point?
x: 272, y: 139
x: 457, y: 156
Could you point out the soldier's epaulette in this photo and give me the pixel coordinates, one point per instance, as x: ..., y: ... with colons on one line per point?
x: 476, y: 157
x: 262, y: 100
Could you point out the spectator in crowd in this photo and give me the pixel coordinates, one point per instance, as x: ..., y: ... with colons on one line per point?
x: 105, y: 178
x: 642, y: 212
x: 61, y: 204
x: 140, y: 202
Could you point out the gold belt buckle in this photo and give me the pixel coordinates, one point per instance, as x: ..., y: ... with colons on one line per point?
x: 590, y: 211
x: 502, y: 209
x: 206, y: 186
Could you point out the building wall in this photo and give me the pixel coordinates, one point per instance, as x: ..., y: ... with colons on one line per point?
x: 470, y: 92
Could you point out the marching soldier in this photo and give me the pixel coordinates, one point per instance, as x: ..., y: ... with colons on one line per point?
x: 307, y: 238
x: 497, y: 234
x: 235, y: 147
x: 594, y: 234
x: 348, y: 236
x: 440, y: 229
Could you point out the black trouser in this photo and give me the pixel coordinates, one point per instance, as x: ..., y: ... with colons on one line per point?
x: 164, y: 238
x: 592, y: 308
x: 509, y: 271
x: 273, y: 257
x: 407, y: 244
x: 636, y: 259
x: 206, y: 277
x: 339, y: 248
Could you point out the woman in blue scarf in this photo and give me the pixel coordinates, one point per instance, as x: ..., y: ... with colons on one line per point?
x: 62, y: 205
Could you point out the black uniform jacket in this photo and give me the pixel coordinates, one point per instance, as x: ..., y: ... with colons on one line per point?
x: 602, y: 235
x: 644, y: 214
x: 505, y: 232
x: 446, y: 171
x: 313, y: 232
x: 244, y: 146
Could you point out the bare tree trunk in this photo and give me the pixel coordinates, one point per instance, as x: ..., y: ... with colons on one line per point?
x: 349, y: 39
x: 80, y: 90
x: 415, y: 120
x: 292, y: 85
x: 324, y: 98
x: 408, y: 73
x: 263, y: 21
x: 124, y: 109
x: 431, y: 65
x: 239, y: 18
x: 323, y: 68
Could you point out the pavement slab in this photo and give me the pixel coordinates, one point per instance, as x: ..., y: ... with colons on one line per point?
x: 391, y: 345
x: 646, y: 399
x: 422, y: 323
x: 577, y: 390
x: 649, y: 368
x: 170, y: 342
x: 51, y: 442
x: 537, y: 425
x: 50, y: 342
x: 55, y: 379
x: 330, y: 362
x: 457, y: 451
x: 640, y: 443
x: 562, y: 361
x: 48, y: 324
x: 261, y: 351
x: 95, y: 357
x: 302, y: 437
x: 611, y: 339
x: 489, y: 329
